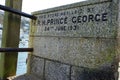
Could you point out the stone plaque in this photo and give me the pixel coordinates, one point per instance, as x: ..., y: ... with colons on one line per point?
x: 90, y: 20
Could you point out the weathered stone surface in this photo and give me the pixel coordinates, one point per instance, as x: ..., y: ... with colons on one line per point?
x: 81, y: 34
x: 77, y: 34
x: 76, y: 51
x: 93, y: 20
x: 92, y: 74
x: 56, y: 71
x: 37, y: 66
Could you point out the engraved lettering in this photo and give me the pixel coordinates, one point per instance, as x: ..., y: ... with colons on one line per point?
x: 91, y: 18
x: 104, y: 17
x: 97, y: 17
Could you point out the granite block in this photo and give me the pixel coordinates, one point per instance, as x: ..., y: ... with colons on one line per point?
x: 81, y: 73
x: 56, y: 71
x: 37, y: 66
x: 87, y: 52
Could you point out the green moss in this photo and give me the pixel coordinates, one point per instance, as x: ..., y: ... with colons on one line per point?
x: 106, y: 56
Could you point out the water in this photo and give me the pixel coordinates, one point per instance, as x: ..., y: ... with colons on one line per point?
x: 22, y: 56
x: 21, y: 63
x: 21, y: 66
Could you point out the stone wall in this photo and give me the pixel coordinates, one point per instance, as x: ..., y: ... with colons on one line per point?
x: 76, y: 42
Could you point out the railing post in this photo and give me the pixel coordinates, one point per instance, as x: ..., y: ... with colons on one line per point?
x: 11, y: 30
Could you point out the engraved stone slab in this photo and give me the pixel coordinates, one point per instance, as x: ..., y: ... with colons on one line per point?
x: 81, y: 20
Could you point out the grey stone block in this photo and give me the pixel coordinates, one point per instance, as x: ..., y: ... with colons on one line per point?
x: 37, y: 66
x: 92, y: 74
x: 87, y: 52
x: 56, y: 71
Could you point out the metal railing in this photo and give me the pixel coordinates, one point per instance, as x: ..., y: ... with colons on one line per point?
x: 16, y: 49
x: 5, y: 8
